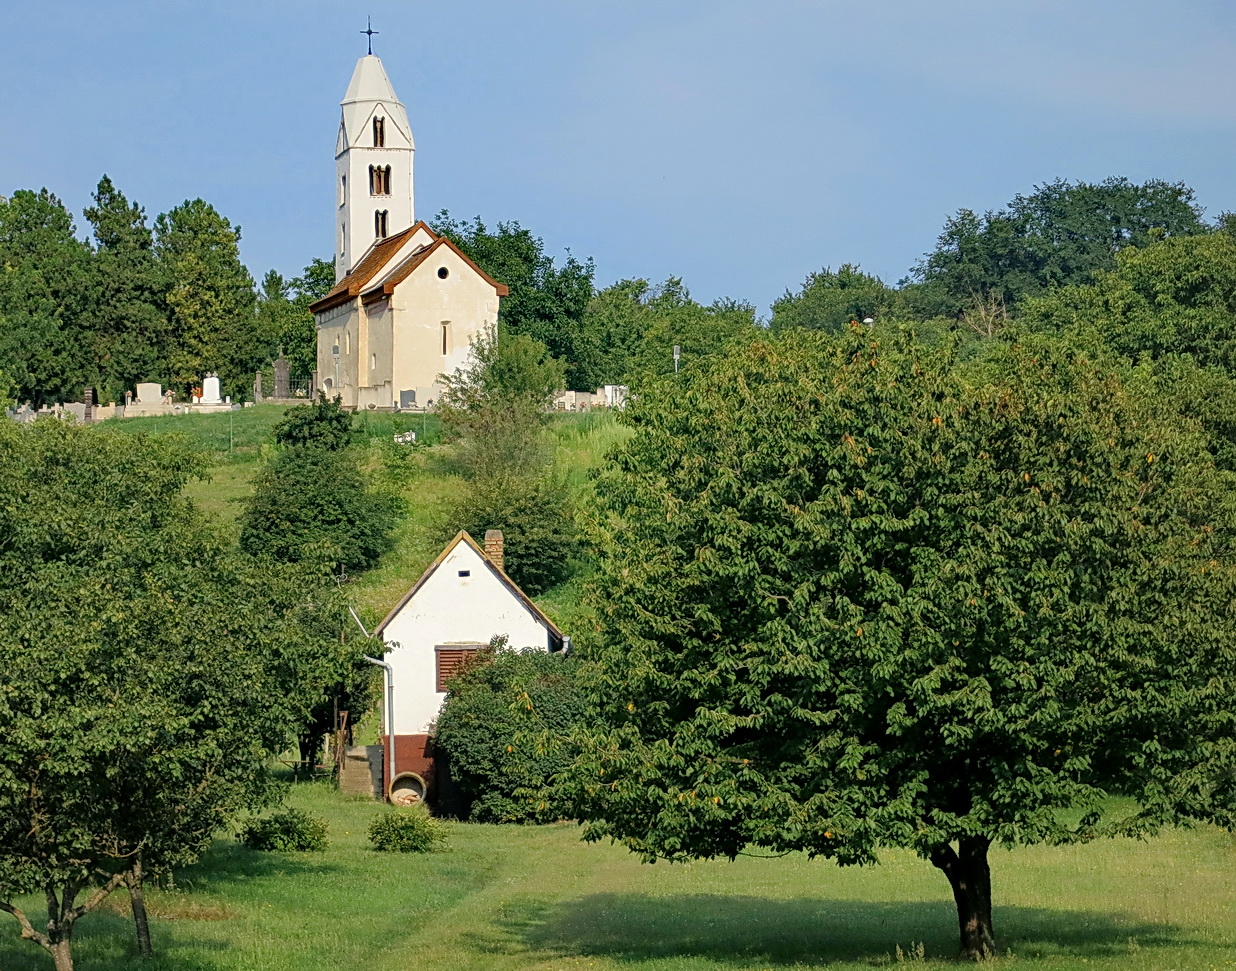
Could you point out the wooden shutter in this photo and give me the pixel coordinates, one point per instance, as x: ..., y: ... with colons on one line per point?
x: 449, y: 658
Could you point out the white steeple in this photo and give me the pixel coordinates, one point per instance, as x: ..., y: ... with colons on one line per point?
x: 373, y: 165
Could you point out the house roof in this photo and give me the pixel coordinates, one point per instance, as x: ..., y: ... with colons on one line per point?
x: 374, y: 261
x: 463, y: 537
x: 387, y: 286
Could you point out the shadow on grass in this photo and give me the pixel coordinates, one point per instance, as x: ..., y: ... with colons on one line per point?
x: 633, y: 927
x: 104, y: 939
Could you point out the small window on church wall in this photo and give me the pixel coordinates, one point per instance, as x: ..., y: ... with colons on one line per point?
x: 380, y: 221
x: 446, y: 331
x: 347, y: 342
x: 443, y: 273
x: 379, y: 133
x: 379, y: 180
x: 343, y: 189
x: 373, y: 361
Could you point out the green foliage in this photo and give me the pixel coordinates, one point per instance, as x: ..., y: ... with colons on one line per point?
x: 322, y: 425
x: 287, y: 831
x: 150, y: 674
x: 128, y: 317
x: 211, y: 297
x: 850, y: 596
x: 1177, y: 296
x: 406, y: 830
x: 313, y: 505
x: 497, y: 729
x: 44, y: 293
x: 537, y: 518
x: 830, y: 301
x: 283, y: 316
x: 1060, y: 235
x: 671, y: 317
x: 495, y: 408
x: 546, y: 302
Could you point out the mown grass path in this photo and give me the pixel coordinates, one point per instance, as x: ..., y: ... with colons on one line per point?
x: 502, y: 898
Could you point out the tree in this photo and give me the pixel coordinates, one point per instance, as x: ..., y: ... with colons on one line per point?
x: 311, y: 503
x: 1176, y: 296
x: 44, y: 274
x: 127, y: 309
x: 830, y: 301
x: 1060, y: 235
x: 149, y: 675
x: 210, y: 295
x: 495, y: 408
x: 672, y: 317
x: 546, y: 302
x: 284, y: 319
x: 496, y: 706
x: 850, y: 596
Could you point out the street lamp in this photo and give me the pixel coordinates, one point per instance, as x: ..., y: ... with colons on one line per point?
x: 677, y: 355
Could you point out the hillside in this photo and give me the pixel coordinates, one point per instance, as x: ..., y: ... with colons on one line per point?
x: 235, y: 445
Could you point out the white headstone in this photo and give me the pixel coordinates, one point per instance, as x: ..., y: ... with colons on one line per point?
x: 149, y: 393
x: 210, y: 390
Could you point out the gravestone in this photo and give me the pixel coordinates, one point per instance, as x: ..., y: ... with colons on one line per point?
x: 89, y: 413
x: 210, y: 390
x: 149, y: 393
x: 283, y: 382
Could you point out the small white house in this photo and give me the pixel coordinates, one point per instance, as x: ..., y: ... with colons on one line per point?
x: 457, y: 606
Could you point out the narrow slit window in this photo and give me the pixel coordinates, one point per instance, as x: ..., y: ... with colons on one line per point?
x: 379, y: 133
x: 446, y: 327
x: 343, y: 189
x: 380, y: 220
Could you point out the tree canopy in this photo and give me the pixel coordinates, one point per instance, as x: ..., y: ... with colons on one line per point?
x: 852, y: 596
x: 1059, y: 235
x: 150, y: 673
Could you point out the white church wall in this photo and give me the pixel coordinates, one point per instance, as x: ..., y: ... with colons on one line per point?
x: 424, y: 300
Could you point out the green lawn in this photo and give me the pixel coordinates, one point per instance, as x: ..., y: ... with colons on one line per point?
x: 503, y: 898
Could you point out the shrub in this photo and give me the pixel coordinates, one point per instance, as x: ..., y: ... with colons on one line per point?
x: 535, y: 516
x: 497, y: 731
x: 288, y: 831
x: 310, y: 502
x: 410, y: 830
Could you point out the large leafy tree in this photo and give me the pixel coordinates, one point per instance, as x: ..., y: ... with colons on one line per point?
x: 149, y: 675
x: 210, y: 296
x: 1059, y: 235
x: 830, y: 300
x: 284, y: 320
x: 44, y: 298
x: 851, y: 597
x: 495, y: 409
x: 546, y: 302
x: 130, y: 325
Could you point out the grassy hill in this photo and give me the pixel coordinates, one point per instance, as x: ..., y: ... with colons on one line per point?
x: 235, y: 444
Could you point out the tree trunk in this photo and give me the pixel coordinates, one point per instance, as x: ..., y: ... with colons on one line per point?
x: 970, y: 877
x: 62, y: 955
x: 138, y: 901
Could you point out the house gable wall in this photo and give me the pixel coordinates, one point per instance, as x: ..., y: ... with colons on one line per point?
x: 448, y: 608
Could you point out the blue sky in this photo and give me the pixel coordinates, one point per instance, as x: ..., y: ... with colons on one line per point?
x: 737, y: 145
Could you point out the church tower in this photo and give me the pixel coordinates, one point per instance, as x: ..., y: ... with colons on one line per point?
x: 373, y: 165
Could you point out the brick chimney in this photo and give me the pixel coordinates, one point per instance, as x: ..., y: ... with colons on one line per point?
x: 493, y: 546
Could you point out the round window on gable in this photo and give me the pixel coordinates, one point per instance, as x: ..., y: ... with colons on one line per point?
x: 443, y: 273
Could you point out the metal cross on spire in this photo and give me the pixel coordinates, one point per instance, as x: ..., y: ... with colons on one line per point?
x: 370, y: 31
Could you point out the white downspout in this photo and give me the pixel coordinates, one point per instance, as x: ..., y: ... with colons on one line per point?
x: 388, y: 706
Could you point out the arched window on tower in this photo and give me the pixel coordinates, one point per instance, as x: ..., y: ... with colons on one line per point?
x: 380, y: 223
x: 379, y: 180
x: 379, y: 133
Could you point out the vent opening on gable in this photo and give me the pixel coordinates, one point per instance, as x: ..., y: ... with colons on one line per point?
x: 465, y: 573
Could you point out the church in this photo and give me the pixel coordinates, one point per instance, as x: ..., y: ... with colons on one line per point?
x: 407, y: 303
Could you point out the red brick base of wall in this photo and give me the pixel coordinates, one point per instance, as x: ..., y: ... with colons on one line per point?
x: 413, y: 753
